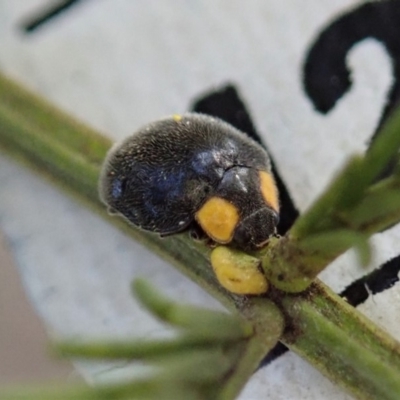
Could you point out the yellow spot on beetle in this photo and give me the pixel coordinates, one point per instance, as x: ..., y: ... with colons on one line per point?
x: 177, y: 117
x: 238, y: 272
x: 269, y: 190
x: 218, y: 218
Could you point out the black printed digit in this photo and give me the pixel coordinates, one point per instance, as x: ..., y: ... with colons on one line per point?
x: 326, y: 78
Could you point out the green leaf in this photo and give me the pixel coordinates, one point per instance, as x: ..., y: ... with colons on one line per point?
x: 136, y: 350
x: 199, y: 321
x: 384, y: 148
x: 344, y: 191
x: 376, y: 205
x: 330, y: 244
x: 199, y: 366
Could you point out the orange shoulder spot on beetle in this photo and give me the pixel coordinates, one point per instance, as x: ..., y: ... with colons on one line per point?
x: 238, y: 272
x: 218, y: 218
x: 269, y: 190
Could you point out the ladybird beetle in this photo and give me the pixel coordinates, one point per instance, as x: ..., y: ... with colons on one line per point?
x: 193, y: 169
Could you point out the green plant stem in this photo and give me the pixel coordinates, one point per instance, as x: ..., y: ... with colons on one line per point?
x: 341, y: 343
x: 134, y: 350
x: 320, y: 326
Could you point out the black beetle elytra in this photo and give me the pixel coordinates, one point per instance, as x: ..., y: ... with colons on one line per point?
x: 193, y: 169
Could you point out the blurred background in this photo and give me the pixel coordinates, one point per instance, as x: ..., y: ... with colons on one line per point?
x: 24, y: 342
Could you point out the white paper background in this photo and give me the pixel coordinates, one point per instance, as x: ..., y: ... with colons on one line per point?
x: 119, y: 64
